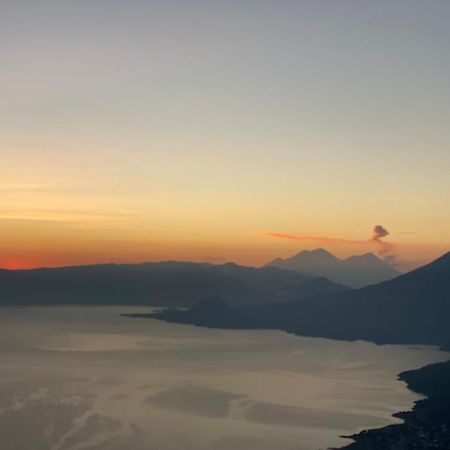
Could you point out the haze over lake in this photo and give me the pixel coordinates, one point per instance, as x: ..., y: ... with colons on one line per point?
x: 78, y: 378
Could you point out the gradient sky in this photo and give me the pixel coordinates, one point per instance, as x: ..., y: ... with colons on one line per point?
x: 146, y: 130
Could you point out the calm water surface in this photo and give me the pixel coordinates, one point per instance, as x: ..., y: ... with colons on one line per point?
x: 78, y: 378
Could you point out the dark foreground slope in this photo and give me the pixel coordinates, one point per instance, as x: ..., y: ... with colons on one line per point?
x: 170, y: 284
x: 427, y: 427
x: 411, y: 309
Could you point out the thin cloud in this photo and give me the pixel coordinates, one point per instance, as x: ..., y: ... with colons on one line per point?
x: 385, y: 249
x: 306, y: 237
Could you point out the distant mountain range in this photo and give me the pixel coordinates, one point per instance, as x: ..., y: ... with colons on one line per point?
x: 169, y: 284
x: 356, y: 271
x: 411, y: 309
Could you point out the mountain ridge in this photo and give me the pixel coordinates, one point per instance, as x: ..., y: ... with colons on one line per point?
x: 355, y: 271
x: 167, y: 283
x: 413, y: 308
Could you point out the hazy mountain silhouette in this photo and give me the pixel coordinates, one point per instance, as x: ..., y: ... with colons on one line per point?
x: 314, y: 286
x: 174, y: 284
x: 356, y: 271
x: 413, y: 308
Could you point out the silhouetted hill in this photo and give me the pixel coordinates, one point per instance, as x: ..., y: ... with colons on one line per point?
x: 170, y: 284
x: 314, y: 286
x: 356, y: 271
x: 413, y: 308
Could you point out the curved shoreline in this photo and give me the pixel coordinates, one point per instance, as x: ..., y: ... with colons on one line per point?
x: 426, y: 427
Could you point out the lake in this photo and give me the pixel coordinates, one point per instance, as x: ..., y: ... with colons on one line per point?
x: 75, y: 378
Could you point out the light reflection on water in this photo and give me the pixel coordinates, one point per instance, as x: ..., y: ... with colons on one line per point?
x: 86, y: 378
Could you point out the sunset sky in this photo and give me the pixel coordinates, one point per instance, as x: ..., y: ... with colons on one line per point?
x: 222, y: 130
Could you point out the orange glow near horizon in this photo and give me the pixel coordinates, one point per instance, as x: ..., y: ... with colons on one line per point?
x: 124, y: 145
x: 55, y: 246
x: 71, y: 209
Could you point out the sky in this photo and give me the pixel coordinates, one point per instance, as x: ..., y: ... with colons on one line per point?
x: 219, y: 130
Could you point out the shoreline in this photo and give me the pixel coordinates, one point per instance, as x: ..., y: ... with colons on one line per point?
x: 426, y: 426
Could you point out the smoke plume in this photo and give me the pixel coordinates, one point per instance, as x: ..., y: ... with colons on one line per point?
x: 379, y: 232
x: 384, y: 248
